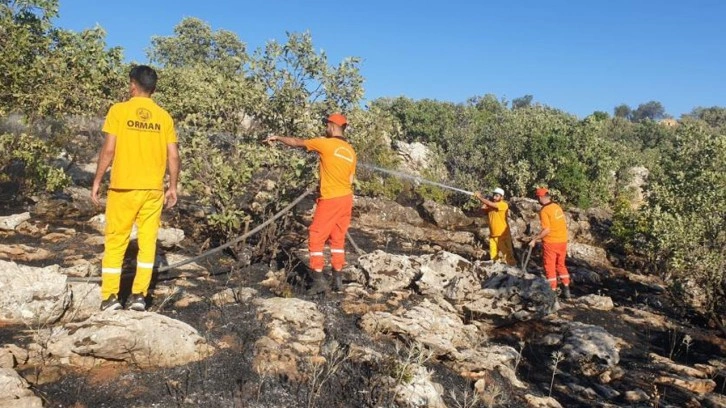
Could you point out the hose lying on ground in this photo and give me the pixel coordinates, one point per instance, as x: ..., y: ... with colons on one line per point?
x: 217, y: 249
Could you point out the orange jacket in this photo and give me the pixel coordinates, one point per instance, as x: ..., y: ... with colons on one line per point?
x: 337, y: 165
x: 551, y: 216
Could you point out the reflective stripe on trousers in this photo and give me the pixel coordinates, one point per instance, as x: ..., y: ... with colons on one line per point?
x: 123, y: 209
x: 330, y: 222
x: 554, y: 263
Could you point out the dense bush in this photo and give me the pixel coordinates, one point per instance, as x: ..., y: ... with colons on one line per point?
x: 226, y: 101
x: 48, y: 71
x: 27, y: 164
x: 48, y: 75
x: 484, y: 143
x: 682, y: 228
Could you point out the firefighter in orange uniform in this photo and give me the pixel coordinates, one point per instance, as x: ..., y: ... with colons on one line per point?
x: 335, y: 205
x: 554, y: 241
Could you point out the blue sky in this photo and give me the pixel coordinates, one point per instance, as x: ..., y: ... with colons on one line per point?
x: 579, y: 56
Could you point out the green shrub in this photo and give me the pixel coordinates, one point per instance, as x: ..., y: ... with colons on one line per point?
x: 681, y: 228
x: 226, y: 101
x: 29, y: 163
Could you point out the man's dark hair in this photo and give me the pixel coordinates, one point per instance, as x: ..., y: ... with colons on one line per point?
x: 145, y: 77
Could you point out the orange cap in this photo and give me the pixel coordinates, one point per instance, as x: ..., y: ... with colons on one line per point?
x: 541, y: 192
x: 338, y: 119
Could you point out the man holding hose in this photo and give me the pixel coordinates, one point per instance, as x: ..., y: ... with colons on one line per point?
x: 500, y: 237
x: 334, y: 207
x: 554, y: 242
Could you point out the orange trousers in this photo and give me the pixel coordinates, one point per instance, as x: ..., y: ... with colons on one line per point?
x: 554, y: 263
x: 123, y: 209
x: 330, y: 222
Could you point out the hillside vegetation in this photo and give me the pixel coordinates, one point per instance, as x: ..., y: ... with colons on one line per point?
x: 225, y: 99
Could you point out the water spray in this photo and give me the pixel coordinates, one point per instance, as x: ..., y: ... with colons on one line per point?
x: 416, y: 179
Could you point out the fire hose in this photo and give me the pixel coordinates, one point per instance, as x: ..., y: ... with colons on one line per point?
x: 219, y: 248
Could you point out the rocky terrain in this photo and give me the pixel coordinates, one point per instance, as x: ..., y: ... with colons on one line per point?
x: 424, y: 320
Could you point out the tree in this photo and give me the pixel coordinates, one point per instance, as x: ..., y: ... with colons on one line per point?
x: 682, y: 228
x: 522, y: 102
x: 652, y: 110
x: 715, y: 116
x: 47, y: 71
x: 194, y: 43
x: 425, y: 121
x: 225, y: 100
x: 600, y: 115
x: 623, y: 111
x: 48, y: 74
x: 488, y: 103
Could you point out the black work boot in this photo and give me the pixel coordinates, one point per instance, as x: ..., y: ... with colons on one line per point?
x: 111, y: 303
x: 319, y: 284
x: 137, y: 302
x: 566, y: 292
x: 337, y: 281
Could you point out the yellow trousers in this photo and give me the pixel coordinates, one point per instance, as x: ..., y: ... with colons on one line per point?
x: 123, y: 208
x: 502, y: 244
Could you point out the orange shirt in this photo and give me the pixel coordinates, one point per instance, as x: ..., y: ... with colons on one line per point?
x: 337, y: 165
x: 552, y: 217
x: 497, y: 218
x: 142, y: 130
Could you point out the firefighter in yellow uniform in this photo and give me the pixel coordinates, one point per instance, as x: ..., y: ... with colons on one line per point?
x: 500, y: 237
x: 140, y: 141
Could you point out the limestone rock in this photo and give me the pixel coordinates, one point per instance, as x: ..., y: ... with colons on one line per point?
x: 387, y: 272
x: 675, y: 368
x: 591, y: 348
x: 383, y: 212
x: 85, y: 301
x: 596, y: 302
x: 30, y: 295
x: 477, y: 363
x: 294, y: 336
x: 140, y: 338
x: 638, y: 179
x: 426, y: 323
x: 169, y: 237
x: 636, y: 395
x: 421, y: 391
x: 594, y: 256
x: 415, y: 157
x: 445, y: 216
x: 510, y: 295
x: 8, y: 223
x: 17, y: 354
x: 7, y: 360
x: 15, y: 392
x: 448, y: 274
x: 695, y: 385
x: 714, y: 400
x: 23, y: 253
x: 541, y: 402
x: 82, y: 268
x: 377, y: 216
x: 233, y: 295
